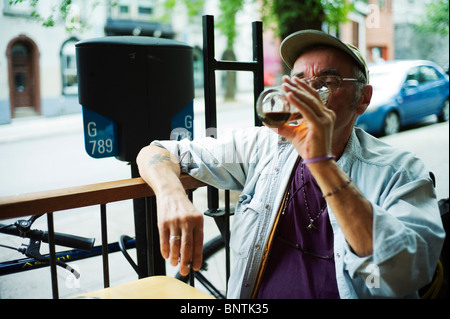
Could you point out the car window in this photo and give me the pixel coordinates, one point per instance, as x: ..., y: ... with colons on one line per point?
x: 428, y: 74
x: 413, y: 74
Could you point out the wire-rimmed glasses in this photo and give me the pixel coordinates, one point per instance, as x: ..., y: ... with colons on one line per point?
x: 333, y: 81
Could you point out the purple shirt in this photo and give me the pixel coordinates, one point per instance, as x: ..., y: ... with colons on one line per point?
x: 292, y: 272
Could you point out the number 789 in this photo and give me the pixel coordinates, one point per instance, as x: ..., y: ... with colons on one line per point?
x: 102, y: 146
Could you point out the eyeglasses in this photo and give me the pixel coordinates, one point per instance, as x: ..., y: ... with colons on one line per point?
x: 333, y: 82
x: 305, y: 251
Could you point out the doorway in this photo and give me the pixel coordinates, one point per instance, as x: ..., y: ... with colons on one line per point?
x: 23, y: 69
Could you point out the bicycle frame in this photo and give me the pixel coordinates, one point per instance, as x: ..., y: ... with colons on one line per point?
x: 26, y: 264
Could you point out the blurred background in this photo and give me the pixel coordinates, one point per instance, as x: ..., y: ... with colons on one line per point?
x: 38, y: 38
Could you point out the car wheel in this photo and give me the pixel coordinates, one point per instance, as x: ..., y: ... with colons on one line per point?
x: 391, y: 123
x: 443, y: 117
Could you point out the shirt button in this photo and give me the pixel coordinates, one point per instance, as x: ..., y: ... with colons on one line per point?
x: 338, y: 255
x: 276, y: 169
x: 267, y: 206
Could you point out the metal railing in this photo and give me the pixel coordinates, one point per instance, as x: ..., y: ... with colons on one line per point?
x: 49, y: 202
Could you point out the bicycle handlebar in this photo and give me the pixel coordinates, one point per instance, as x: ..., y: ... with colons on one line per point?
x: 67, y: 240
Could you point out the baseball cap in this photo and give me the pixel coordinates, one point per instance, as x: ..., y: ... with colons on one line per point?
x: 296, y: 43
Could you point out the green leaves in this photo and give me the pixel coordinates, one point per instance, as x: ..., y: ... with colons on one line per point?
x: 287, y: 16
x: 59, y: 12
x: 226, y: 22
x: 336, y: 11
x: 436, y: 19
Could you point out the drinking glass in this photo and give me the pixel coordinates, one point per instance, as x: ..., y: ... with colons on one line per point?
x: 274, y: 109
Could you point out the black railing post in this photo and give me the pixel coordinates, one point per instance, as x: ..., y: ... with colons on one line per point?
x: 52, y: 248
x: 140, y: 228
x: 209, y: 69
x: 105, y: 258
x: 157, y: 264
x: 258, y: 73
x: 149, y: 259
x: 211, y: 65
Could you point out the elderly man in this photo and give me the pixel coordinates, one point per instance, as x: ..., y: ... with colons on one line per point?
x: 325, y: 211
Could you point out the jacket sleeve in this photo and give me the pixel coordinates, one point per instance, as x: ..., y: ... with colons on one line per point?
x: 222, y: 162
x: 407, y: 237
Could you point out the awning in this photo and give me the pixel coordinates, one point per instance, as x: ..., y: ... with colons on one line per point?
x: 134, y: 27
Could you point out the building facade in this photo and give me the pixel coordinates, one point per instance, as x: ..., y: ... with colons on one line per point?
x: 411, y: 44
x: 380, y: 31
x: 38, y: 65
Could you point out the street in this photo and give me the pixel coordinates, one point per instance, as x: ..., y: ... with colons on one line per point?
x: 429, y: 142
x: 45, y: 159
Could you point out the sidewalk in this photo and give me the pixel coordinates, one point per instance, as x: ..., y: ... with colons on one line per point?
x: 34, y: 127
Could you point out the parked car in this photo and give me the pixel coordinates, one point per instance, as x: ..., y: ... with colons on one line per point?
x: 404, y: 92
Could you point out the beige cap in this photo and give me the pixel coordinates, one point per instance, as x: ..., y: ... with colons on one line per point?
x: 296, y: 43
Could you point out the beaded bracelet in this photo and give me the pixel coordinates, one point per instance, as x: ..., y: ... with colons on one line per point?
x: 318, y: 159
x: 337, y: 189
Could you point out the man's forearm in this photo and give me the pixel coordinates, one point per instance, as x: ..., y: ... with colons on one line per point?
x: 352, y: 210
x: 177, y: 217
x: 159, y: 168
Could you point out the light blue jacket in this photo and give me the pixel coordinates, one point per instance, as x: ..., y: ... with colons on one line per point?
x: 407, y: 228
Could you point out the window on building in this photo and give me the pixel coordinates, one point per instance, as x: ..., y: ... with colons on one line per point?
x: 24, y: 7
x: 122, y: 9
x: 198, y: 67
x: 69, y: 68
x: 20, y: 49
x: 145, y: 8
x: 134, y: 9
x: 378, y: 54
x: 21, y: 58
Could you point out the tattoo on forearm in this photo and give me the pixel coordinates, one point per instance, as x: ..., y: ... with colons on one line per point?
x: 357, y: 191
x: 157, y: 158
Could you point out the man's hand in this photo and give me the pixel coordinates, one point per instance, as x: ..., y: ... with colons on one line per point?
x: 180, y: 224
x: 313, y: 137
x: 180, y: 231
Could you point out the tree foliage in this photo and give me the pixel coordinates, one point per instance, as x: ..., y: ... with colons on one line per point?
x: 287, y: 16
x: 193, y: 6
x: 60, y: 12
x: 436, y: 18
x: 284, y: 16
x: 226, y: 22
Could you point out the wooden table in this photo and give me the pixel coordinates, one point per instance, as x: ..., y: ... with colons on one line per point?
x: 155, y: 287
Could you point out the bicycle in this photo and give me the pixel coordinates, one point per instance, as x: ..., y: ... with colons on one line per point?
x: 22, y: 228
x: 84, y: 248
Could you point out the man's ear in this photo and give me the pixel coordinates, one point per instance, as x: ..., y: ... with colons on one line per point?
x: 364, y: 100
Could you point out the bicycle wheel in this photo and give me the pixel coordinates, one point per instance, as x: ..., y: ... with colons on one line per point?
x: 211, y: 277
